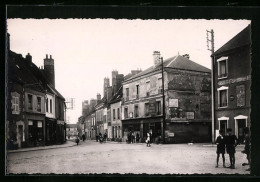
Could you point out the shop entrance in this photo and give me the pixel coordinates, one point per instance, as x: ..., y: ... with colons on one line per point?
x: 223, y: 126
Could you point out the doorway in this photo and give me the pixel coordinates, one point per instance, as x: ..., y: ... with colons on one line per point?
x: 223, y: 126
x: 241, y: 124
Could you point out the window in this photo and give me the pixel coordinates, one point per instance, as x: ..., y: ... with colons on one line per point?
x: 137, y: 91
x: 158, y: 107
x: 118, y: 113
x: 222, y: 67
x: 47, y: 105
x: 50, y: 105
x: 146, y: 105
x: 223, y: 96
x: 39, y: 104
x: 126, y: 112
x: 136, y: 111
x: 147, y: 88
x: 15, y: 105
x: 30, y: 105
x: 127, y: 93
x: 114, y: 114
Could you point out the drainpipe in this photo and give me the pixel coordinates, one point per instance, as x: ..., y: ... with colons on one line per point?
x: 213, y: 98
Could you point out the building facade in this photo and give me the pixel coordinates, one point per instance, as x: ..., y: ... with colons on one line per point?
x: 187, y: 102
x: 232, y: 81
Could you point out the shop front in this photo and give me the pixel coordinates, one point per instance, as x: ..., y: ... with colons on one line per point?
x: 51, y: 125
x: 142, y: 126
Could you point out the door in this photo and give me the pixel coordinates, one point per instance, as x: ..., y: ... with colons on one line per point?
x: 20, y: 135
x: 223, y: 126
x: 241, y: 124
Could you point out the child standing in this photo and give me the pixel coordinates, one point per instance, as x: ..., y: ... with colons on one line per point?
x: 231, y: 143
x: 221, y: 147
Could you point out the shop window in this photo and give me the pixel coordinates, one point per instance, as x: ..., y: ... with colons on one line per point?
x: 136, y: 111
x: 30, y: 102
x: 223, y: 97
x: 118, y: 113
x: 223, y: 67
x: 158, y: 108
x: 146, y: 105
x: 35, y: 131
x: 39, y: 104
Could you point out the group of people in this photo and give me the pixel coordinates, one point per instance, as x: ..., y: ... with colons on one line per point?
x: 133, y: 138
x: 228, y: 144
x: 101, y: 138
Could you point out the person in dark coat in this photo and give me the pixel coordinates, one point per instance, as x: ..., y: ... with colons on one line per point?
x: 231, y: 143
x: 247, y: 147
x: 220, y: 141
x: 137, y: 138
x: 83, y: 137
x: 105, y: 137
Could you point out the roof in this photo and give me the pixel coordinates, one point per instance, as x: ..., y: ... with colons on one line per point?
x: 25, y: 72
x: 241, y: 39
x: 117, y: 97
x: 71, y: 125
x: 176, y: 62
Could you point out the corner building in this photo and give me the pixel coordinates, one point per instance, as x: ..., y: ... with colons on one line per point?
x: 232, y: 81
x: 187, y: 102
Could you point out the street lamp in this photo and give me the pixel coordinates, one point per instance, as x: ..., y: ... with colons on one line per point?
x: 158, y: 59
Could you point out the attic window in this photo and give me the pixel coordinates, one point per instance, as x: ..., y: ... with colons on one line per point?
x: 17, y: 66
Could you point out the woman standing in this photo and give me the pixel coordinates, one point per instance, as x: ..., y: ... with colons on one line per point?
x: 148, y: 140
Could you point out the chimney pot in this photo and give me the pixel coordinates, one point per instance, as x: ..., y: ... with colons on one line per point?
x: 46, y: 56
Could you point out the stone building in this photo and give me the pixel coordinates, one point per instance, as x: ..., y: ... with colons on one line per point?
x: 232, y: 81
x: 187, y: 101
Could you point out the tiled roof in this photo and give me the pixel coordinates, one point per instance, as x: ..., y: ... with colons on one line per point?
x: 177, y: 62
x: 241, y: 39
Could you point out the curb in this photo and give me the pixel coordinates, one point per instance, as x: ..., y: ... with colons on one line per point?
x: 43, y: 148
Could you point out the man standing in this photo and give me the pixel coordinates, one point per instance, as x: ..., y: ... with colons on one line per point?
x: 231, y: 143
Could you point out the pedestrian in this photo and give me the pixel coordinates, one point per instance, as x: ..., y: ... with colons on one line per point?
x: 129, y: 137
x: 231, y: 143
x: 133, y: 137
x: 220, y: 147
x: 105, y: 137
x: 148, y: 140
x: 247, y: 147
x: 83, y: 137
x: 77, y: 140
x: 100, y: 138
x: 137, y: 137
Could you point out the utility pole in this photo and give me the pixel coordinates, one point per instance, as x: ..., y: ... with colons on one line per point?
x: 211, y: 40
x: 164, y: 123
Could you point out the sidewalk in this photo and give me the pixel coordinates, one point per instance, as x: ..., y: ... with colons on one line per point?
x: 214, y: 145
x: 67, y: 144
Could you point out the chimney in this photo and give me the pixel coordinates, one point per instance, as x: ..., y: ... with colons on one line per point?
x: 98, y: 97
x: 156, y: 58
x: 186, y: 56
x: 49, y: 70
x: 28, y: 57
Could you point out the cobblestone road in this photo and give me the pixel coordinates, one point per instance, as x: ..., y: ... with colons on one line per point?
x: 92, y: 157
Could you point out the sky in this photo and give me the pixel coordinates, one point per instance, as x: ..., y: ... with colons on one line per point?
x: 85, y: 51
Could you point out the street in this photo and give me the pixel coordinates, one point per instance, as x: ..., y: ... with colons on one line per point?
x: 93, y: 157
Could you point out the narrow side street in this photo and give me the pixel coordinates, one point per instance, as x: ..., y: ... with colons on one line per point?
x: 93, y: 157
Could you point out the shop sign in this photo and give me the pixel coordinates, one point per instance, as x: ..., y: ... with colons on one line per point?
x: 152, y: 106
x: 39, y: 124
x: 190, y: 115
x: 173, y: 102
x: 241, y: 97
x: 236, y: 80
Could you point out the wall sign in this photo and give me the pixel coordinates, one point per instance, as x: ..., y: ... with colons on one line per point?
x: 152, y: 107
x: 190, y: 115
x: 241, y: 98
x: 173, y: 103
x: 30, y: 123
x: 236, y: 80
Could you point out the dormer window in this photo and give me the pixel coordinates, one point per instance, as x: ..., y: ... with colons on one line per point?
x: 222, y: 67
